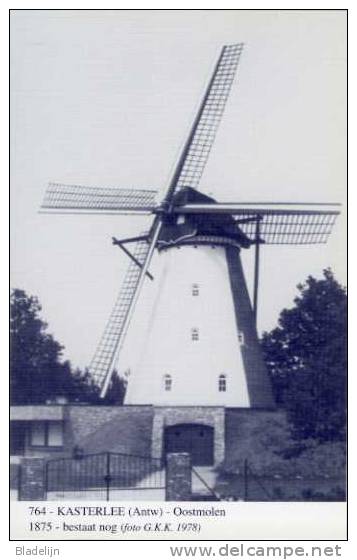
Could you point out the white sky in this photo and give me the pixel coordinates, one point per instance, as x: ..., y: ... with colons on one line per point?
x: 107, y: 98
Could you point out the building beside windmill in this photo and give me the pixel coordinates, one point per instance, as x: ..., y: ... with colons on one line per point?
x: 200, y: 382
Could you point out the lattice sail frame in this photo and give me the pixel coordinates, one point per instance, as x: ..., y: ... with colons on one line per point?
x: 210, y: 117
x: 60, y: 197
x: 286, y: 225
x: 102, y: 359
x: 193, y: 158
x: 289, y: 228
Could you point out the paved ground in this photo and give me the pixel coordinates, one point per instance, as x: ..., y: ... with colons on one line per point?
x: 207, y: 474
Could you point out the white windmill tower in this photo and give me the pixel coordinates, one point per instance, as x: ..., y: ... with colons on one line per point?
x: 203, y: 347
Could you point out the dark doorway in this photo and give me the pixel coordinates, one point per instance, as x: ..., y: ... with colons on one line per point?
x: 195, y: 439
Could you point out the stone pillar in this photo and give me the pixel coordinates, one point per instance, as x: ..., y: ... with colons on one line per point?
x: 32, y: 479
x: 178, y: 477
x: 219, y: 436
x: 157, y: 433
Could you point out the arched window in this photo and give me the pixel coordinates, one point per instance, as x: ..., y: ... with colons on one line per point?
x: 241, y: 338
x: 195, y: 290
x: 222, y: 383
x: 167, y: 382
x: 195, y: 334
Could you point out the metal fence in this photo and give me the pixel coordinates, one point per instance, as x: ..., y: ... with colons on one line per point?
x: 101, y: 475
x: 251, y: 486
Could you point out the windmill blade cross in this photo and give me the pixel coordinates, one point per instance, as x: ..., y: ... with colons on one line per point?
x: 261, y: 223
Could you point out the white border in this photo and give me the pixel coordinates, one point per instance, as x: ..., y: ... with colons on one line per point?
x: 160, y: 549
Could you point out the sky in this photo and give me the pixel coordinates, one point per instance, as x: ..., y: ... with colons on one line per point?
x: 106, y: 98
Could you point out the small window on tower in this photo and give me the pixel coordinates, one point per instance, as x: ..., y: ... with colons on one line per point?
x: 195, y: 290
x: 195, y: 334
x: 181, y: 219
x: 167, y: 382
x: 222, y: 383
x: 241, y: 338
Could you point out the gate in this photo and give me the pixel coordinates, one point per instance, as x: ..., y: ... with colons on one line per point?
x: 105, y: 476
x: 195, y: 439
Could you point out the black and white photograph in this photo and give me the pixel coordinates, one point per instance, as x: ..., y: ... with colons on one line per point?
x: 178, y: 307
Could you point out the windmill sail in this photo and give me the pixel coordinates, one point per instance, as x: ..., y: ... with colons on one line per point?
x: 277, y: 226
x: 291, y: 228
x: 194, y: 155
x: 73, y: 198
x: 103, y: 358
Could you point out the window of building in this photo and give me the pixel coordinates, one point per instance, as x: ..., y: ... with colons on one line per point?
x: 222, y: 383
x: 241, y: 338
x: 46, y: 434
x: 17, y: 438
x: 38, y: 433
x: 195, y: 290
x: 181, y: 219
x: 194, y: 334
x: 167, y: 382
x: 55, y: 434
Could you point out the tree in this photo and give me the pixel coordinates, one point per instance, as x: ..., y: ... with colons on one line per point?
x: 116, y: 390
x: 306, y: 359
x: 37, y: 372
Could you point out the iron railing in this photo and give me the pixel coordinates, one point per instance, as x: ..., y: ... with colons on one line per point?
x: 98, y: 474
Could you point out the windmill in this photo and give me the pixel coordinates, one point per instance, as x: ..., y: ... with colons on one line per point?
x: 203, y: 346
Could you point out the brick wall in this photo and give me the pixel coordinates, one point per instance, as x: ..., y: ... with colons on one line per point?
x: 32, y: 480
x: 121, y: 429
x: 14, y: 475
x: 178, y: 477
x: 98, y: 428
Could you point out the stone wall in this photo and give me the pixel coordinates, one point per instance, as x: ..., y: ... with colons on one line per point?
x: 137, y: 430
x: 208, y: 416
x: 120, y: 429
x: 178, y: 477
x: 14, y: 475
x: 130, y: 429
